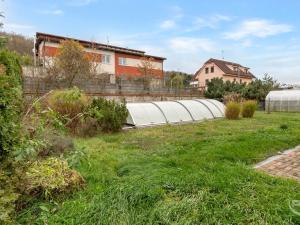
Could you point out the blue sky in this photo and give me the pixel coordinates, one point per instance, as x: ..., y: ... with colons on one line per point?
x: 263, y: 35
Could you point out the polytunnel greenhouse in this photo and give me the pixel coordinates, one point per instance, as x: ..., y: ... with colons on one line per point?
x: 181, y: 111
x: 283, y: 101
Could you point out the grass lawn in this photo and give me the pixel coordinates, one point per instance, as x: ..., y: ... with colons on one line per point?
x: 186, y: 174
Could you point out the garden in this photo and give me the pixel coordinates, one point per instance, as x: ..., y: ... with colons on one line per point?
x: 66, y: 160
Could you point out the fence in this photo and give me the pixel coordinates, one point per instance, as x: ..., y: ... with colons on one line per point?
x: 122, y: 88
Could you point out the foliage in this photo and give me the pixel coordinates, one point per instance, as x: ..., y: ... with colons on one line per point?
x: 283, y: 126
x: 248, y: 108
x: 147, y: 69
x: 49, y: 177
x: 258, y: 89
x: 200, y: 173
x: 10, y: 101
x: 185, y: 77
x: 70, y: 104
x: 232, y: 110
x: 18, y: 43
x: 8, y: 197
x: 109, y: 115
x: 177, y: 81
x: 70, y: 63
x: 233, y: 97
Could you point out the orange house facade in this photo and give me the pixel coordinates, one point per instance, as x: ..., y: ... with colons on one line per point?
x: 228, y: 71
x: 108, y: 58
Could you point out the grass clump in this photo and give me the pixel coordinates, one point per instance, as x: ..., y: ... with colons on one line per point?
x: 249, y: 108
x: 48, y: 177
x: 232, y: 110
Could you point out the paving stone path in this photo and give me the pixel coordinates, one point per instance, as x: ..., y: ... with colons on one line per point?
x: 286, y: 164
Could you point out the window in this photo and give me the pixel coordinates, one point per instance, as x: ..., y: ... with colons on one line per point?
x: 122, y: 61
x: 235, y: 68
x: 106, y: 59
x: 212, y: 69
x: 206, y: 70
x: 234, y: 80
x: 241, y: 81
x: 206, y: 81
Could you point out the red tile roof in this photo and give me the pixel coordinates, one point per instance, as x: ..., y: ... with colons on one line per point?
x: 222, y: 64
x: 55, y: 38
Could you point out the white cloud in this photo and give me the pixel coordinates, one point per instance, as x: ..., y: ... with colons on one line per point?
x: 79, y: 2
x: 177, y: 12
x: 212, y: 22
x: 168, y: 24
x: 52, y: 12
x: 258, y: 28
x: 188, y: 44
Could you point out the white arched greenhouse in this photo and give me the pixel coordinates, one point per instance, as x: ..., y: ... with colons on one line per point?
x: 164, y: 112
x: 283, y: 101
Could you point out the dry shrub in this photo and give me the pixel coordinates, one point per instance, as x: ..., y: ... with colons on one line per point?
x: 56, y: 145
x: 70, y: 104
x: 233, y: 97
x: 49, y: 177
x: 233, y: 110
x: 248, y: 108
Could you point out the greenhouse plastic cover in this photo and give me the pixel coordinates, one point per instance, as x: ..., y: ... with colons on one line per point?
x: 163, y: 112
x: 284, y: 101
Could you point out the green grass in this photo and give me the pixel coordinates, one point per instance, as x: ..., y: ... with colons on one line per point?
x: 185, y: 174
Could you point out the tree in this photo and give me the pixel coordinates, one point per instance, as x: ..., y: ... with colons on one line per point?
x: 70, y: 63
x: 177, y: 81
x: 186, y: 78
x: 3, y: 39
x: 146, y: 68
x: 259, y: 88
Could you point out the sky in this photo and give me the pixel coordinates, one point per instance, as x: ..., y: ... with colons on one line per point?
x: 261, y: 34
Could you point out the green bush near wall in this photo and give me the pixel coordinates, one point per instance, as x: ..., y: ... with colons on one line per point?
x: 10, y: 101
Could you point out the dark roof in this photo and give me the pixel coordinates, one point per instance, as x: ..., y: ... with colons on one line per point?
x: 222, y: 64
x: 55, y: 38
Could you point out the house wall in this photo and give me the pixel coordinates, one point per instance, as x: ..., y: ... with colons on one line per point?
x: 132, y: 65
x: 218, y: 73
x: 48, y: 50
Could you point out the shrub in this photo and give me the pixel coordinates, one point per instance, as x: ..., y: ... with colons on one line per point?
x: 49, y: 177
x: 248, y: 108
x: 283, y: 127
x: 70, y: 104
x: 57, y: 145
x: 233, y: 97
x: 109, y: 115
x: 232, y: 110
x: 8, y: 197
x: 10, y: 102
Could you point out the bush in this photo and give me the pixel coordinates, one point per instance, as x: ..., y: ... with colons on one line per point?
x: 233, y: 97
x: 10, y: 102
x: 8, y: 197
x: 70, y: 104
x: 48, y: 178
x: 232, y: 110
x: 56, y: 145
x: 108, y: 114
x: 248, y: 108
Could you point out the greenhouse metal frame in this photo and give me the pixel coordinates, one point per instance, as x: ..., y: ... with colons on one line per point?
x: 173, y: 112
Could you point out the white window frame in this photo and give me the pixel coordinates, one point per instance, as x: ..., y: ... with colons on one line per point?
x: 122, y: 61
x: 105, y: 59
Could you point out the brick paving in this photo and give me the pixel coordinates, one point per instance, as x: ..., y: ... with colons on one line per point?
x: 286, y: 164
